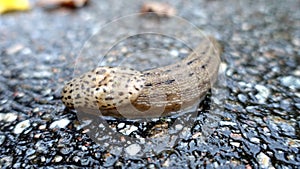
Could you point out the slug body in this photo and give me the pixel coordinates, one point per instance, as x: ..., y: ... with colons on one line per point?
x: 119, y: 91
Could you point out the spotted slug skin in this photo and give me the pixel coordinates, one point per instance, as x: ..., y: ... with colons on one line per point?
x: 125, y: 92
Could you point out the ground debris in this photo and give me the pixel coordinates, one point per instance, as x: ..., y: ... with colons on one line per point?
x: 159, y: 8
x: 50, y: 4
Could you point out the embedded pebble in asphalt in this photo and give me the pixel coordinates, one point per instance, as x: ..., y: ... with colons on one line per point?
x: 62, y: 123
x: 21, y: 126
x: 250, y: 120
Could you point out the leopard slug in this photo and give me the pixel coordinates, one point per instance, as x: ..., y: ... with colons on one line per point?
x: 129, y: 93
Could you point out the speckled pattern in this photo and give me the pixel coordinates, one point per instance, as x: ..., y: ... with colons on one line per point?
x: 168, y: 88
x: 95, y: 89
x: 257, y: 127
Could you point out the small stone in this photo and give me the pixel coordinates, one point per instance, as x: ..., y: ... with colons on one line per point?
x: 84, y: 148
x: 97, y: 155
x: 36, y: 110
x: 263, y: 93
x: 17, y: 165
x: 66, y: 150
x: 127, y: 131
x: 121, y: 125
x: 178, y: 127
x: 296, y: 41
x: 43, y: 159
x: 222, y: 68
x: 242, y: 98
x: 254, y: 140
x: 264, y: 160
x: 19, y: 95
x: 151, y: 166
x: 174, y: 53
x: 14, y: 49
x: 57, y: 158
x: 41, y: 74
x: 227, y: 123
x: 26, y: 51
x: 62, y: 123
x: 287, y: 129
x: 76, y: 159
x: 247, y: 27
x: 166, y: 163
x: 8, y: 117
x: 298, y: 106
x: 2, y: 139
x: 297, y: 72
x: 21, y: 126
x: 285, y: 104
x: 37, y: 135
x: 46, y: 92
x: 236, y: 144
x: 291, y: 82
x: 42, y: 127
x: 30, y: 151
x: 133, y: 149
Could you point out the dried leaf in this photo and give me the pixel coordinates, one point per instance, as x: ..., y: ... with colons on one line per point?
x: 62, y: 3
x: 13, y: 5
x: 159, y: 8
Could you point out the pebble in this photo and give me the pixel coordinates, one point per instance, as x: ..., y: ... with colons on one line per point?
x: 6, y: 161
x: 254, y: 140
x: 43, y: 159
x: 14, y: 49
x: 227, y: 123
x: 8, y: 117
x: 242, y: 98
x: 264, y: 160
x: 66, y: 150
x: 247, y: 27
x: 2, y: 139
x: 30, y: 151
x: 127, y: 131
x: 296, y: 41
x: 285, y: 105
x: 151, y: 166
x: 178, y: 127
x: 263, y: 93
x: 58, y: 158
x: 287, y: 129
x: 121, y: 125
x: 290, y: 81
x: 76, y: 159
x: 297, y: 72
x: 41, y: 74
x: 38, y: 135
x: 42, y: 127
x: 133, y: 149
x: 236, y: 144
x: 36, y: 110
x: 298, y: 106
x: 62, y: 123
x: 21, y: 126
x: 174, y: 53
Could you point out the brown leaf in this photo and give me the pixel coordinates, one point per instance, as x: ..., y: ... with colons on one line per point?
x: 159, y: 8
x: 62, y: 3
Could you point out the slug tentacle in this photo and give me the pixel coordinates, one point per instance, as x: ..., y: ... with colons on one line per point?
x: 119, y: 91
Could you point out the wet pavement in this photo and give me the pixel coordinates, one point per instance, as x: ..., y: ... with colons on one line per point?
x: 254, y: 122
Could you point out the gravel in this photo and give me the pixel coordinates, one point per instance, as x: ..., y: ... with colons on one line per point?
x: 249, y: 120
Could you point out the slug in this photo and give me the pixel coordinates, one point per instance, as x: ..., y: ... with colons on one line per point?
x: 129, y: 93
